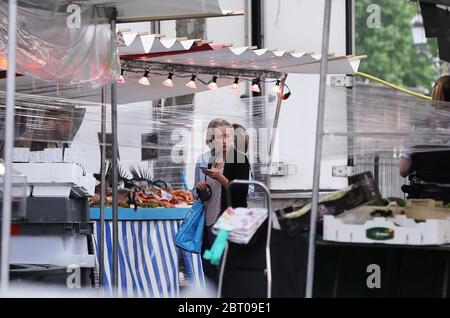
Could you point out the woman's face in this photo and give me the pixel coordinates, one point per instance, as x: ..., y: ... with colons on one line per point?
x: 223, y: 138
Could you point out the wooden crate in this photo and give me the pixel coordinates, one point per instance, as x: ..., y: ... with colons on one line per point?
x: 426, y: 209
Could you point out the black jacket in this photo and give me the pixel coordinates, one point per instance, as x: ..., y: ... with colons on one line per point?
x: 432, y: 166
x: 236, y: 167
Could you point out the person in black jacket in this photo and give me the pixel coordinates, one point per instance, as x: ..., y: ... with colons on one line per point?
x: 427, y: 168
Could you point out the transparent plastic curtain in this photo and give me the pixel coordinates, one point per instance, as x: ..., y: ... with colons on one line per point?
x: 175, y: 135
x: 62, y: 43
x: 373, y: 121
x: 157, y: 8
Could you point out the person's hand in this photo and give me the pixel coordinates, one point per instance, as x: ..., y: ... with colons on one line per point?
x: 216, y: 174
x: 202, y: 185
x: 213, y: 173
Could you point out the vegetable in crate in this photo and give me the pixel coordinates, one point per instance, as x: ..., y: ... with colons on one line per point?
x: 400, y: 202
x: 381, y: 213
x: 380, y: 202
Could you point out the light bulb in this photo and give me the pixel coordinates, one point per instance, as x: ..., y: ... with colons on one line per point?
x: 235, y: 85
x: 191, y: 83
x: 168, y: 82
x: 213, y: 84
x: 121, y: 79
x: 255, y: 87
x: 144, y: 80
x: 277, y: 88
x: 286, y: 96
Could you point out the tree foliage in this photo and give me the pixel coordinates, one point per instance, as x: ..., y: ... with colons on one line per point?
x: 389, y: 46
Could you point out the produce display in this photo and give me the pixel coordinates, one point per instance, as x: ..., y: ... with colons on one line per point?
x: 150, y: 198
x: 141, y: 191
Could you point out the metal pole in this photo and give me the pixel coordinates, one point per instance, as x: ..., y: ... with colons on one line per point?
x: 9, y: 144
x: 222, y: 271
x: 350, y: 50
x: 376, y: 170
x: 318, y: 149
x: 115, y: 265
x: 269, y: 231
x: 277, y: 117
x: 155, y: 27
x: 102, y: 189
x: 274, y: 130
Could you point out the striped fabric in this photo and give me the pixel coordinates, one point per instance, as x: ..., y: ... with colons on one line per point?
x: 148, y: 259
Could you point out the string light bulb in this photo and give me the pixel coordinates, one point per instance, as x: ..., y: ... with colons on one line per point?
x: 277, y: 88
x: 255, y: 86
x: 235, y: 85
x: 191, y: 83
x: 168, y: 82
x: 286, y: 96
x: 121, y: 79
x: 144, y: 80
x: 213, y: 84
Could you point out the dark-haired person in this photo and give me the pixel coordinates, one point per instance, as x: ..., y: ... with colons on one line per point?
x: 241, y: 144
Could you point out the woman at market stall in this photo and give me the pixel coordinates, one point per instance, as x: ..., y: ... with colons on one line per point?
x: 225, y: 163
x: 241, y: 144
x: 429, y: 170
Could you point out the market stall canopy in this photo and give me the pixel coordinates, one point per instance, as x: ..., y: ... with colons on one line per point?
x: 61, y: 43
x: 129, y: 92
x: 247, y: 58
x: 148, y: 10
x: 245, y: 63
x: 137, y: 43
x: 72, y: 43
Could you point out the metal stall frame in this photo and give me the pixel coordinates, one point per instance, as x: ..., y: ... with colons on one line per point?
x: 9, y: 127
x: 9, y: 138
x: 9, y: 144
x: 318, y: 149
x: 103, y: 188
x: 115, y: 197
x: 268, y: 239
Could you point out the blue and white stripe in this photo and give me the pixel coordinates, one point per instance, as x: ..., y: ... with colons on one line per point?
x: 148, y: 259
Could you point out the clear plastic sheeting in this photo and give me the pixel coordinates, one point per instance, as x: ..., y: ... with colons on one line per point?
x: 145, y: 10
x: 62, y: 43
x: 374, y: 121
x: 160, y: 141
x: 19, y: 194
x: 42, y: 121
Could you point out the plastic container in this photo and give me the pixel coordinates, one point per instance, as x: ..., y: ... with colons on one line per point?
x: 57, y: 210
x: 18, y: 194
x: 46, y: 274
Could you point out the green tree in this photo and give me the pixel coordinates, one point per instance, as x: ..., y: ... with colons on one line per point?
x: 389, y: 46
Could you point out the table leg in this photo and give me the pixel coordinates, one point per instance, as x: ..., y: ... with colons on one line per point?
x: 337, y: 272
x: 445, y: 284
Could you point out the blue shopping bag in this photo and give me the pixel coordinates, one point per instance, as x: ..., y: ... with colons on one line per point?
x: 190, y: 234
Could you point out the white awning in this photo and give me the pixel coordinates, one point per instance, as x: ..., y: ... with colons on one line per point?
x: 136, y: 43
x: 260, y: 60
